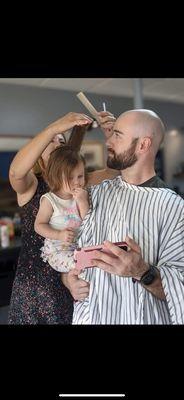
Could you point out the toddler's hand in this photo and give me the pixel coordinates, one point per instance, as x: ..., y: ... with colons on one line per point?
x: 66, y: 235
x: 80, y: 195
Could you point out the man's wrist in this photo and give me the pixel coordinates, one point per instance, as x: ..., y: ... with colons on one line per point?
x: 148, y: 277
x: 144, y: 267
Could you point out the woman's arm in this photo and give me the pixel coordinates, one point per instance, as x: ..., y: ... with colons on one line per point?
x: 96, y: 177
x: 21, y: 177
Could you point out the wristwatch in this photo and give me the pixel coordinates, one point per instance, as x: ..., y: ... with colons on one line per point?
x: 148, y: 277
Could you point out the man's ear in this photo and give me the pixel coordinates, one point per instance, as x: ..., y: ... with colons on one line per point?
x: 145, y: 144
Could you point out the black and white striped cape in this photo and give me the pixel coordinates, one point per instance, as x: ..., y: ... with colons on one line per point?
x: 154, y: 218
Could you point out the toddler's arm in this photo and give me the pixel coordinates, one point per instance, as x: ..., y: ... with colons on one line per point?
x: 43, y: 228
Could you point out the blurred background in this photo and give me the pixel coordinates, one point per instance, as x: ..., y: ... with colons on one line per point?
x: 27, y: 105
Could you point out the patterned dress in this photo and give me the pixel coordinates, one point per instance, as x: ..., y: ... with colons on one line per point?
x: 60, y: 255
x: 38, y: 295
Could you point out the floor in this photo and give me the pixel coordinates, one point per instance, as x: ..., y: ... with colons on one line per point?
x: 4, y: 315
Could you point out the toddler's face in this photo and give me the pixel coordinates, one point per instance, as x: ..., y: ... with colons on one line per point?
x: 77, y: 178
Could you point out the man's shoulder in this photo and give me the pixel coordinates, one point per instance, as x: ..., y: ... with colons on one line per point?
x: 170, y: 196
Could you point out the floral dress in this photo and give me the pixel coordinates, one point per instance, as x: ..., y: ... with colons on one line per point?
x: 38, y: 295
x: 60, y: 255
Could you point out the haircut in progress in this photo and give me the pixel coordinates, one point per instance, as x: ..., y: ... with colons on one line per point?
x: 61, y: 162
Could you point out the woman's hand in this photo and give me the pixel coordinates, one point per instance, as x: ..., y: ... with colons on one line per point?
x: 69, y: 121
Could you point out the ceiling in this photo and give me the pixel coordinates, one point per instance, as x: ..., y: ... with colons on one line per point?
x: 168, y: 89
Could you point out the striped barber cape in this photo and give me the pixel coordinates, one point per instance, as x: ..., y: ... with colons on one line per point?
x: 154, y: 218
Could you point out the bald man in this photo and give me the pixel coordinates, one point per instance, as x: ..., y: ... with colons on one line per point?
x: 132, y: 148
x: 144, y: 285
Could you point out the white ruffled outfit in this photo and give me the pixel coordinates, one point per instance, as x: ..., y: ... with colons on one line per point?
x: 65, y: 215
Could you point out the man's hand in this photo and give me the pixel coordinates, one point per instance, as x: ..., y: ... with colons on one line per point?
x: 123, y: 263
x: 106, y: 120
x: 78, y: 288
x: 127, y: 264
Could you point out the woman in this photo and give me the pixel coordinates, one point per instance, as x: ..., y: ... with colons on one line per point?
x: 38, y: 295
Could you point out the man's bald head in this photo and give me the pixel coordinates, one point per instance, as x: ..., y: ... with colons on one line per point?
x: 143, y: 123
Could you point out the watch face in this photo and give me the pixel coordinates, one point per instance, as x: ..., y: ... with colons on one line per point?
x: 147, y: 280
x: 149, y: 276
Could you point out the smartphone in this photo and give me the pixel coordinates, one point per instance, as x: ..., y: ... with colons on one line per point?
x: 84, y: 255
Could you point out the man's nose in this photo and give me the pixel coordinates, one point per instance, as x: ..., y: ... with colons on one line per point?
x: 109, y: 141
x: 109, y: 147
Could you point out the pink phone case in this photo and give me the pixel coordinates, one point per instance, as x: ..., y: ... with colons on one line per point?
x: 84, y: 255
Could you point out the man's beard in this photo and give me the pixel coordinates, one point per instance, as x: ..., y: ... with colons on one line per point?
x: 124, y: 160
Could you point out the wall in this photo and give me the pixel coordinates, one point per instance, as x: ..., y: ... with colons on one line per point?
x: 173, y: 156
x: 26, y: 110
x: 6, y: 158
